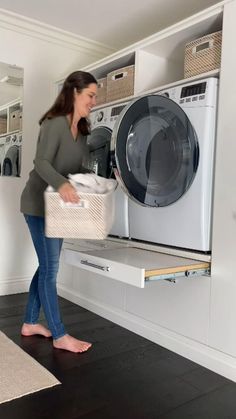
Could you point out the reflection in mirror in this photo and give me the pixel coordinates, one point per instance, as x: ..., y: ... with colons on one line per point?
x: 11, y: 98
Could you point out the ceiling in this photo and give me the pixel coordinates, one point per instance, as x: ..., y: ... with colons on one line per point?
x: 116, y: 24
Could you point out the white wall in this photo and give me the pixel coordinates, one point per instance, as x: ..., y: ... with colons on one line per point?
x: 45, y: 55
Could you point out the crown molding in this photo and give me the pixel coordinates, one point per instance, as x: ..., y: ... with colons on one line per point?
x: 36, y: 29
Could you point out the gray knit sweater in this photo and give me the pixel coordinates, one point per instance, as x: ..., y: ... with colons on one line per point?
x: 57, y: 155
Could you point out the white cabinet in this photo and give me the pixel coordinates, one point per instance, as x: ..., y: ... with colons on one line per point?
x: 223, y: 293
x: 65, y: 273
x: 133, y: 265
x: 132, y: 285
x: 159, y: 59
x: 182, y: 307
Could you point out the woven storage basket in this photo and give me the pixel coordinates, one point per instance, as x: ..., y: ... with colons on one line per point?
x: 3, y: 125
x: 120, y: 83
x: 203, y: 54
x: 15, y: 120
x: 92, y: 218
x: 102, y: 91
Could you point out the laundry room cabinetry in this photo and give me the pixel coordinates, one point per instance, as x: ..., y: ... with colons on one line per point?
x: 11, y: 117
x: 159, y: 59
x: 192, y: 315
x: 158, y: 62
x: 180, y: 304
x: 223, y: 307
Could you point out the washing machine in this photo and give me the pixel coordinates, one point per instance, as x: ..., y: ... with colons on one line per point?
x: 163, y: 145
x: 99, y: 142
x: 11, y: 164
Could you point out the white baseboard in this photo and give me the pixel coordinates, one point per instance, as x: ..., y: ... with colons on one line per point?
x: 14, y: 286
x: 204, y: 355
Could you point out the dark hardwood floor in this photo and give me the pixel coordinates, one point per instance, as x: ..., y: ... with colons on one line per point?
x: 122, y: 376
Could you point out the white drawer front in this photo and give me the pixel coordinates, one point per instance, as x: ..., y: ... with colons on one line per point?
x: 134, y: 266
x: 109, y: 268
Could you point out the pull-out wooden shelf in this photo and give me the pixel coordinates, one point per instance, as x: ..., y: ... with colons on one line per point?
x: 136, y: 266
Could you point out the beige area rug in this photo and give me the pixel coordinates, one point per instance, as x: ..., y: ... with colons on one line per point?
x: 20, y: 374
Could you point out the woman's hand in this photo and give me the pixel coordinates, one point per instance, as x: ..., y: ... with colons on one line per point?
x: 68, y: 193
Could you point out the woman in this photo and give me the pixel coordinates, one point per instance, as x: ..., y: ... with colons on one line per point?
x: 60, y: 150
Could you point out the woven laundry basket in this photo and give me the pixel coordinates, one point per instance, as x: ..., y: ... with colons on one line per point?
x: 120, y: 83
x: 91, y: 218
x: 102, y: 91
x: 3, y: 125
x: 203, y: 54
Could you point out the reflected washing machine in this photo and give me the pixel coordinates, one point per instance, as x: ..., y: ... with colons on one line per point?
x: 99, y: 142
x: 163, y: 146
x: 11, y: 164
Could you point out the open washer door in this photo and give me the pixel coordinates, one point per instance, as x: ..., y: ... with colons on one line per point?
x: 99, y: 143
x: 99, y: 151
x: 155, y: 151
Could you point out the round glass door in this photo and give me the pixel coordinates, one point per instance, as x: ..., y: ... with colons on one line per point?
x: 99, y: 151
x: 156, y: 151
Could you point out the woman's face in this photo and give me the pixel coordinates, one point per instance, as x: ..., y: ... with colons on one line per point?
x: 85, y: 100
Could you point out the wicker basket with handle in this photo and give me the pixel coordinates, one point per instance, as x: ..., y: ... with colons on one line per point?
x: 203, y: 54
x: 91, y: 218
x: 120, y: 83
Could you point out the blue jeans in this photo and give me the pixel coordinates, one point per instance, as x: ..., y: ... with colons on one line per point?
x: 43, y: 290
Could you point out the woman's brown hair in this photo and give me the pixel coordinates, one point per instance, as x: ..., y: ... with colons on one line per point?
x: 64, y: 103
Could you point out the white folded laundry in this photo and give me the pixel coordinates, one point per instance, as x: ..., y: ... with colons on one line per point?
x: 91, y: 183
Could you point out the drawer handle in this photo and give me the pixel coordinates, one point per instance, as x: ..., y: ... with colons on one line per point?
x: 94, y: 265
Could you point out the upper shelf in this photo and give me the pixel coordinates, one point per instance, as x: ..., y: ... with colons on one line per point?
x: 166, y: 44
x: 170, y: 41
x: 159, y: 59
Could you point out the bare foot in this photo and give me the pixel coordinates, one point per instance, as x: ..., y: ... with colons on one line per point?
x: 68, y: 343
x: 35, y: 329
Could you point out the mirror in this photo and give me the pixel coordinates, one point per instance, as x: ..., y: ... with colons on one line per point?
x: 11, y: 99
